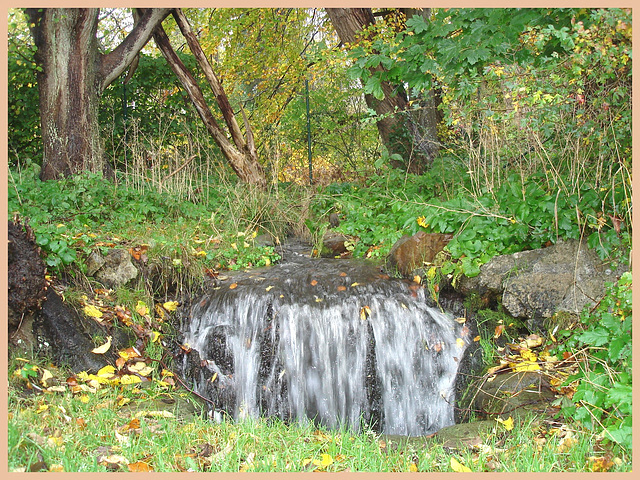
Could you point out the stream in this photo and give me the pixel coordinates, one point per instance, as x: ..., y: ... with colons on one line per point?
x: 334, y: 341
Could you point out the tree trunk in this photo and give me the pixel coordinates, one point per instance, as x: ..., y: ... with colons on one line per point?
x: 72, y: 76
x: 241, y: 155
x: 411, y: 136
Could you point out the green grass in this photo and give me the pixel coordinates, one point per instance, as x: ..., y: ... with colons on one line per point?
x: 84, y: 431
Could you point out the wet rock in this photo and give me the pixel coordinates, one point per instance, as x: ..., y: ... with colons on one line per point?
x: 335, y: 244
x: 94, y: 262
x: 117, y: 269
x: 536, y: 284
x: 334, y: 220
x: 465, y: 434
x: 410, y: 253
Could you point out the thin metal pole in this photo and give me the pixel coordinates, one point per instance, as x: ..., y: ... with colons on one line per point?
x: 306, y: 84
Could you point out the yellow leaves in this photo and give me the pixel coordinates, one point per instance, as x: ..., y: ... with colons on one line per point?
x: 507, y: 424
x: 413, y: 467
x: 142, y: 308
x: 322, y: 463
x: 130, y: 379
x: 269, y: 288
x: 140, y: 368
x: 92, y: 311
x: 458, y: 467
x: 460, y: 342
x: 365, y: 312
x: 104, y: 348
x: 170, y: 306
x: 421, y: 222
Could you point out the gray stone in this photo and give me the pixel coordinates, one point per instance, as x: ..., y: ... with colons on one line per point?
x: 117, y: 269
x: 536, y: 284
x: 94, y: 262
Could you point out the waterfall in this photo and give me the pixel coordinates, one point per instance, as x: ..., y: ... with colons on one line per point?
x: 336, y: 342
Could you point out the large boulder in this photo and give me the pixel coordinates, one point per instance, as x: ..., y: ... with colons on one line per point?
x: 335, y: 244
x: 536, y: 284
x: 412, y: 252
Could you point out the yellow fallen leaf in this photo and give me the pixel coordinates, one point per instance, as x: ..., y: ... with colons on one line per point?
x: 507, y: 424
x: 140, y: 368
x: 528, y: 355
x: 55, y: 442
x: 106, y: 371
x: 525, y: 366
x: 458, y: 467
x: 269, y: 288
x: 460, y: 342
x: 413, y: 467
x: 56, y: 467
x: 155, y: 336
x: 142, y: 308
x: 170, y: 306
x: 130, y: 379
x: 355, y: 284
x: 417, y: 279
x: 42, y: 408
x: 92, y: 311
x: 199, y: 253
x: 154, y: 413
x: 46, y: 375
x: 365, y: 312
x: 215, y: 375
x: 104, y: 348
x: 84, y: 398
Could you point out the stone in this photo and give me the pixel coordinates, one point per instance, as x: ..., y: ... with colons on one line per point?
x: 412, y: 252
x: 336, y: 244
x: 536, y: 284
x: 117, y: 270
x: 94, y: 262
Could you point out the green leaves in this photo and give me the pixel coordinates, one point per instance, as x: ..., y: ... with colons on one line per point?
x: 603, y: 397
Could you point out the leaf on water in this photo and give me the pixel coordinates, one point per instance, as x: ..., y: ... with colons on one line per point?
x: 365, y: 312
x: 314, y: 283
x: 341, y: 288
x: 461, y: 320
x: 460, y: 342
x: 343, y: 274
x: 507, y: 424
x: 355, y: 284
x: 232, y: 286
x: 476, y: 339
x: 104, y: 348
x: 318, y: 299
x: 215, y: 375
x: 92, y: 311
x: 417, y: 279
x: 269, y: 288
x: 170, y: 306
x: 458, y: 467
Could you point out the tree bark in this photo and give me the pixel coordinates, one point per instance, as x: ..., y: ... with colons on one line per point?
x: 71, y: 77
x: 412, y: 137
x: 241, y: 155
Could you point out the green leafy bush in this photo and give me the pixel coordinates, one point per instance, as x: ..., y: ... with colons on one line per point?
x: 603, y: 396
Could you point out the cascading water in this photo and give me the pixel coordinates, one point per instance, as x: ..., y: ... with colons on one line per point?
x: 334, y: 341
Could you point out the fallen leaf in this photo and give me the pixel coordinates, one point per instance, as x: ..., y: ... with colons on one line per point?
x: 525, y: 366
x: 140, y: 467
x: 533, y: 341
x: 56, y: 467
x: 461, y: 320
x: 355, y: 284
x: 92, y: 311
x: 460, y: 342
x: 130, y: 379
x: 142, y: 308
x: 458, y: 467
x: 232, y: 286
x: 476, y: 339
x: 106, y: 371
x: 269, y: 288
x: 342, y: 274
x: 314, y: 283
x: 140, y: 368
x: 215, y: 375
x: 413, y: 467
x: 170, y: 306
x: 600, y: 464
x: 498, y: 331
x: 104, y: 348
x: 365, y: 312
x: 155, y: 413
x: 507, y: 424
x: 417, y: 279
x: 341, y: 288
x: 46, y: 375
